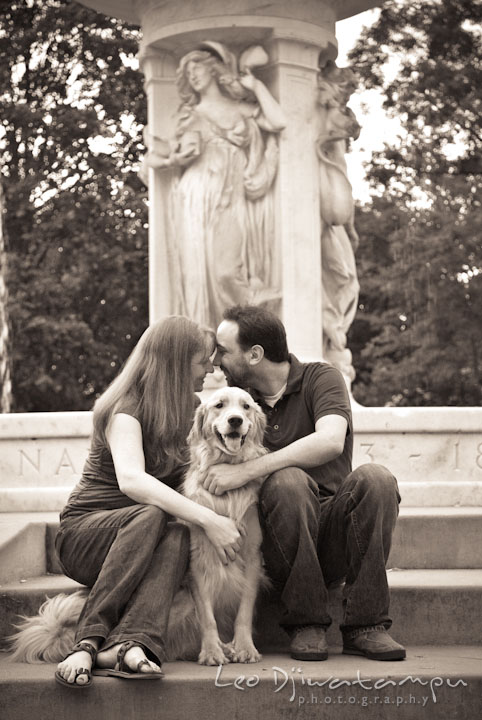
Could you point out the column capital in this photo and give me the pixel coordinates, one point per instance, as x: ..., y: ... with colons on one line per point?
x: 158, y: 65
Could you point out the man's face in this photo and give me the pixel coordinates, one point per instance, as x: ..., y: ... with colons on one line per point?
x: 232, y: 359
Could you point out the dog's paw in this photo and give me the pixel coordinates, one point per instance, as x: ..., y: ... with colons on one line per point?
x: 229, y: 651
x: 245, y: 655
x: 212, y: 656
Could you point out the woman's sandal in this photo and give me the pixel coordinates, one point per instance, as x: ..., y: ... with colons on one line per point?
x: 87, y: 647
x: 121, y: 670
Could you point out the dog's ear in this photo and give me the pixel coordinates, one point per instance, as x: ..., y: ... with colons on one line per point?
x: 259, y: 424
x: 195, y: 435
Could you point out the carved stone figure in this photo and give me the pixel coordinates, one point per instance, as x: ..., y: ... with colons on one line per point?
x: 339, y: 239
x: 221, y: 220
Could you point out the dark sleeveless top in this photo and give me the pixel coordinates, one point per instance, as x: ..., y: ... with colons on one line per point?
x: 98, y: 488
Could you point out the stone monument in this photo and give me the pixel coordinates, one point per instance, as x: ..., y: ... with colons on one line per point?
x: 279, y: 137
x: 249, y: 199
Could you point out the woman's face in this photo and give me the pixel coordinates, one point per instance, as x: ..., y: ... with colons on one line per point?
x: 199, y: 75
x: 201, y: 365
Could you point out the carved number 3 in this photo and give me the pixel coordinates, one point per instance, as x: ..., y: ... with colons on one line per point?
x: 369, y: 447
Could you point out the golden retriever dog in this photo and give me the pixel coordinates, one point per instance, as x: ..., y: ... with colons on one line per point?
x: 228, y: 428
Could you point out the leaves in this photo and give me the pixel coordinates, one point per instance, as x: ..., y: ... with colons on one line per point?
x: 76, y: 216
x: 417, y: 339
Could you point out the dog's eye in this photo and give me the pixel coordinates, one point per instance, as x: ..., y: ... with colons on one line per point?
x: 246, y: 406
x: 219, y: 405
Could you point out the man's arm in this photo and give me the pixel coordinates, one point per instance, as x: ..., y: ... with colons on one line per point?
x: 318, y: 448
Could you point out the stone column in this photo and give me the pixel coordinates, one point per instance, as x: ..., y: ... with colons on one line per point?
x: 159, y: 69
x: 292, y: 78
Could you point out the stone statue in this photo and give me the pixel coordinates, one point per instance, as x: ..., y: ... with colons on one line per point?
x: 339, y: 239
x: 221, y: 218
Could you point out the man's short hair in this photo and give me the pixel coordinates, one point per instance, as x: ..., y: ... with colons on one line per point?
x: 258, y: 326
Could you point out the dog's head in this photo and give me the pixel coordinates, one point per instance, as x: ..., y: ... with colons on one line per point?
x: 227, y: 420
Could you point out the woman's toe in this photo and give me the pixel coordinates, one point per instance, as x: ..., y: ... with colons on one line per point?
x: 148, y: 666
x: 82, y: 679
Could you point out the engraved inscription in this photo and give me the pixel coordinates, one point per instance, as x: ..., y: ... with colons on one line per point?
x: 65, y: 462
x: 479, y: 456
x: 24, y: 457
x: 42, y: 461
x: 456, y: 450
x: 367, y: 451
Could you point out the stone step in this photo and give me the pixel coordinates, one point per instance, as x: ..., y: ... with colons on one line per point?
x: 424, y: 538
x: 441, y: 683
x: 437, y: 537
x: 431, y: 607
x: 26, y: 545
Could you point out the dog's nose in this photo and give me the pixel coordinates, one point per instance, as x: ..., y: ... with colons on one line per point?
x: 235, y: 421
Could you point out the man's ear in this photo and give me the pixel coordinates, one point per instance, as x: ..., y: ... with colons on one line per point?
x: 256, y: 354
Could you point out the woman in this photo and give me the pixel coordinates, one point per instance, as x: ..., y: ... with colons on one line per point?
x: 116, y: 532
x: 221, y: 221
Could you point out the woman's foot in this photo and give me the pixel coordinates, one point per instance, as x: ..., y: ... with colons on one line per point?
x: 70, y: 669
x: 135, y: 659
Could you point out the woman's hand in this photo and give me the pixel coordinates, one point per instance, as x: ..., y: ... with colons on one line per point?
x: 224, y: 535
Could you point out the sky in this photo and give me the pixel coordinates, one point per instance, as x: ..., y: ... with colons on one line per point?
x: 367, y: 106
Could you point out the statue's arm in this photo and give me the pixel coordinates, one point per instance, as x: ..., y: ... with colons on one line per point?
x: 178, y: 152
x: 272, y: 117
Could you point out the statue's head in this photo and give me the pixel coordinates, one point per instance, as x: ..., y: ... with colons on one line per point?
x: 190, y: 83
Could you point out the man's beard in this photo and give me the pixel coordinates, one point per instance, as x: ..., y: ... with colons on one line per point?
x: 241, y: 379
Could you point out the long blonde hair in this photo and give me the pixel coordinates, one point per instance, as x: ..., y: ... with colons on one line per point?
x: 157, y: 379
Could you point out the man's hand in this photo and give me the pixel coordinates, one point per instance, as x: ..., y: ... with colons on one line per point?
x: 221, y: 478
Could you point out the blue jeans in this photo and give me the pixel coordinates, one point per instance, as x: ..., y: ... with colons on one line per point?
x: 310, y: 543
x: 133, y: 560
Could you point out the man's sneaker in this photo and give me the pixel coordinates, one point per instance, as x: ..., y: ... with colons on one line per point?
x: 308, y: 642
x: 374, y: 643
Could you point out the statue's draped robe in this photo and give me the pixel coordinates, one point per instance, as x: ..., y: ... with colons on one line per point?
x: 221, y: 224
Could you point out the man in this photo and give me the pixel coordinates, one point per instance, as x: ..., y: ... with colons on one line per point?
x: 321, y: 522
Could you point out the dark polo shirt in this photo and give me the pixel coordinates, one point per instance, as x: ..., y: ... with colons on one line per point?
x: 313, y: 390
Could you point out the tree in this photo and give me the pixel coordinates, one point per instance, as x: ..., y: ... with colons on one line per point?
x: 76, y: 216
x: 5, y: 382
x: 417, y: 337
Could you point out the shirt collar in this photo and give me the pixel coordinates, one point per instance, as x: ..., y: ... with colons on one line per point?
x: 295, y: 375
x: 294, y: 382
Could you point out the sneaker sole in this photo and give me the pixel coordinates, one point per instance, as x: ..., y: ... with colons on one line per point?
x: 309, y: 656
x: 390, y: 655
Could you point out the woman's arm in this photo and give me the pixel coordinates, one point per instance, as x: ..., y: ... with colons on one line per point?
x: 124, y: 436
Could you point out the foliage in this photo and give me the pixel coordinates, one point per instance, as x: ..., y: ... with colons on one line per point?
x: 76, y: 215
x: 417, y: 338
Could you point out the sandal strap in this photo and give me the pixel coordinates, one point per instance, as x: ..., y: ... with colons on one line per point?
x: 120, y: 664
x: 141, y: 664
x: 86, y: 647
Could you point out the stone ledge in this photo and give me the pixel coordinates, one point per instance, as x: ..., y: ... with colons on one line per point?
x: 449, y: 678
x: 427, y: 420
x: 435, y: 451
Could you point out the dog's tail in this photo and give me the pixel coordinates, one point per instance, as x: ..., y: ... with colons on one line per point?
x: 49, y: 635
